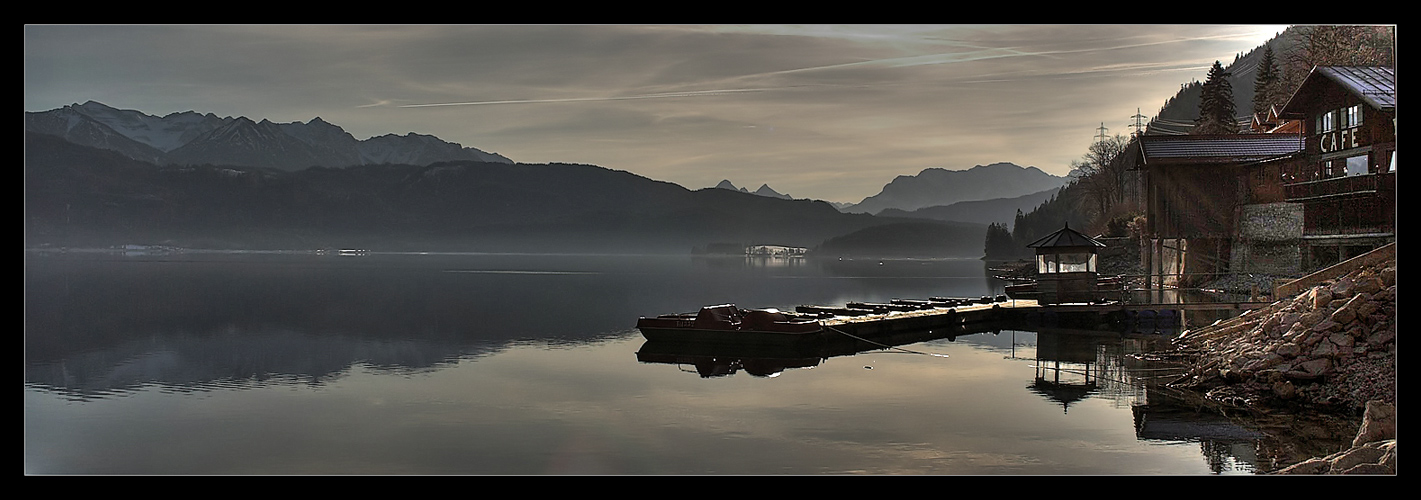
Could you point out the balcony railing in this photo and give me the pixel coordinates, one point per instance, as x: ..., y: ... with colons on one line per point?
x: 1341, y: 186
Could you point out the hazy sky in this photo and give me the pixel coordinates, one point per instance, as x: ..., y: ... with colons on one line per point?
x: 827, y: 112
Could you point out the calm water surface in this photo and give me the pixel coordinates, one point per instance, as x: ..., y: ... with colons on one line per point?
x: 530, y: 364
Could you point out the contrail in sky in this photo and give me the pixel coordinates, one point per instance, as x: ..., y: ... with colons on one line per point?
x: 697, y: 93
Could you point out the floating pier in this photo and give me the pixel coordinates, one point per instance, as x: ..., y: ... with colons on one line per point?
x: 898, y: 316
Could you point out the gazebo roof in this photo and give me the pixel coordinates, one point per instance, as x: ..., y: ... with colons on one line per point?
x: 1066, y: 237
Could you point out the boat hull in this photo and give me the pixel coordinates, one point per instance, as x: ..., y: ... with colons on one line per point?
x: 748, y: 337
x: 729, y: 325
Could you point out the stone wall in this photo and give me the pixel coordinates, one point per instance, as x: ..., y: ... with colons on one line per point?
x: 1269, y: 239
x: 1274, y: 222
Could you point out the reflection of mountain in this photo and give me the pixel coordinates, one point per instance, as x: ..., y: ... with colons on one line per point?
x: 235, y: 359
x: 99, y: 325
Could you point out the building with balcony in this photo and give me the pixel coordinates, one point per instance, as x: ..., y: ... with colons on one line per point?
x: 1346, y: 181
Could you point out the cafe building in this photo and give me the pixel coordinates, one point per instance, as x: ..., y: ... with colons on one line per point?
x: 1346, y: 181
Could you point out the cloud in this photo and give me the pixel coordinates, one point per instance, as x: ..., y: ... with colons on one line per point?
x: 664, y: 95
x: 851, y: 106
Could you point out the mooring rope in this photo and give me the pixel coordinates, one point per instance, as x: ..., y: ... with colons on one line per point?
x: 885, y: 346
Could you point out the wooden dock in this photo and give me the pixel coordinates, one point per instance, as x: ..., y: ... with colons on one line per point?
x: 944, y: 318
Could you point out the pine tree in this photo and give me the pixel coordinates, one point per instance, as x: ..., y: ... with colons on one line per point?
x: 999, y: 242
x: 1267, y: 83
x: 1216, y: 105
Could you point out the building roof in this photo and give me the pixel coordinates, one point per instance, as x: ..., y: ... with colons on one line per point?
x: 1269, y: 122
x: 1224, y: 148
x: 1374, y: 85
x: 1065, y: 237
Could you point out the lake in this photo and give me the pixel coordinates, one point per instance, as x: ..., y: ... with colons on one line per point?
x: 512, y: 364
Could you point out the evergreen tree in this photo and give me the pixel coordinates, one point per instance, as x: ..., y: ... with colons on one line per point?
x: 1267, y: 83
x: 1216, y: 104
x: 999, y: 243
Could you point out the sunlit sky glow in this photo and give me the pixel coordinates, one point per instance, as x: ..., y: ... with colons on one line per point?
x: 826, y: 112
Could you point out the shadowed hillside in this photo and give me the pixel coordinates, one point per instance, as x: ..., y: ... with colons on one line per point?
x: 80, y: 196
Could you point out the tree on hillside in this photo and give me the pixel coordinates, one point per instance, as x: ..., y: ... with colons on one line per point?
x: 1216, y: 104
x: 1102, y: 172
x: 1063, y: 208
x: 1352, y: 45
x: 1268, y: 83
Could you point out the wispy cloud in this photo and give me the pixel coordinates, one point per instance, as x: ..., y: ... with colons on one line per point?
x: 664, y: 95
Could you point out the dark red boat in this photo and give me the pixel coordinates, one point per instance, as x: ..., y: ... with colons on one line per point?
x: 727, y: 323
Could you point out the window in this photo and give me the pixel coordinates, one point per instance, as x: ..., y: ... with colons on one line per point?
x: 1327, y: 122
x: 1352, y: 116
x: 1065, y: 263
x: 1075, y: 262
x: 1357, y: 165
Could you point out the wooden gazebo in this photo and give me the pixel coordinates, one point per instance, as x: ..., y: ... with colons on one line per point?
x: 1066, y: 267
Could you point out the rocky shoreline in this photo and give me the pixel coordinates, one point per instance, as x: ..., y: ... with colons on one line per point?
x: 1329, y: 349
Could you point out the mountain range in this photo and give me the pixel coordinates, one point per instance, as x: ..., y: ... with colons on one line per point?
x: 191, y: 138
x: 97, y: 175
x: 939, y: 186
x: 999, y: 210
x: 81, y: 196
x: 764, y: 190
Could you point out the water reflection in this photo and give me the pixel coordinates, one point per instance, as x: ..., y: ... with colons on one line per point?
x: 1073, y: 365
x: 491, y: 359
x: 1069, y: 367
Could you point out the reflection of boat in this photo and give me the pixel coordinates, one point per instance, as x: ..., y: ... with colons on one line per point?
x: 727, y: 323
x: 719, y: 360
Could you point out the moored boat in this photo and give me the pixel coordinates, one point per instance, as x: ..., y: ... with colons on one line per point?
x: 728, y: 323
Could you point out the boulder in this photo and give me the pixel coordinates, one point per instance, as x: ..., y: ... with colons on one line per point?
x: 1378, y: 423
x: 1356, y: 456
x: 1320, y: 296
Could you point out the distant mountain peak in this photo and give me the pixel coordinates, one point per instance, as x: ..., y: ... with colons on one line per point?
x: 940, y: 186
x: 188, y: 138
x: 765, y: 190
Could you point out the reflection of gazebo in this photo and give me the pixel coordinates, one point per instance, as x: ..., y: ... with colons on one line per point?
x: 1065, y: 267
x: 1054, y: 349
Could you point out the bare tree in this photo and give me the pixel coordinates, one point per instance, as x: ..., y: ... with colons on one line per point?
x: 1339, y: 45
x: 1102, y: 171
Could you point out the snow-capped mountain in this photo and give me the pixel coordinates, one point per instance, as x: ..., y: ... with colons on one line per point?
x: 193, y: 138
x: 166, y: 133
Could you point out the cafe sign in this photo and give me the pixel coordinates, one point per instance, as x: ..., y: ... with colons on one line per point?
x: 1340, y: 129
